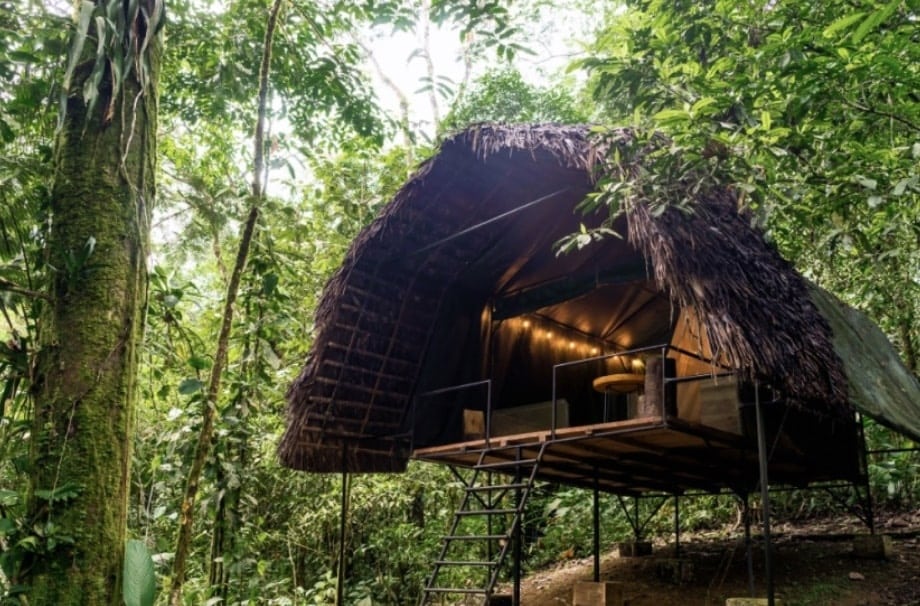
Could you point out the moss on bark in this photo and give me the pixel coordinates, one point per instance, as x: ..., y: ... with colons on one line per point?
x: 86, y: 369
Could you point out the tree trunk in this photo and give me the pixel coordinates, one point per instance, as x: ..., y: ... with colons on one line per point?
x: 85, y: 374
x: 209, y: 408
x: 235, y: 454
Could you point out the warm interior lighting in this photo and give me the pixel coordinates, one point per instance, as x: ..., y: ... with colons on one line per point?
x: 558, y: 339
x: 638, y: 365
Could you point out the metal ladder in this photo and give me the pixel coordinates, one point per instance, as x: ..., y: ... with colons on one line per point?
x: 483, y: 501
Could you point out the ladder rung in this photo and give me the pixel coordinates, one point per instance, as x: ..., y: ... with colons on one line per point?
x: 514, y: 463
x: 485, y: 487
x: 522, y: 483
x: 486, y: 512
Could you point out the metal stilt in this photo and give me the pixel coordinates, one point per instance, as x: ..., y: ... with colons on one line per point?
x: 749, y: 554
x: 597, y: 531
x: 764, y: 497
x: 676, y: 526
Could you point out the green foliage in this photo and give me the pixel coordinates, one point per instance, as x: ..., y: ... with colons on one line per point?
x: 32, y: 40
x: 488, y: 22
x: 894, y: 476
x: 808, y: 109
x: 316, y: 78
x: 504, y: 96
x: 139, y: 587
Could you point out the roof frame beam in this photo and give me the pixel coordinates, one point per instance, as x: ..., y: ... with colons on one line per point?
x: 564, y: 289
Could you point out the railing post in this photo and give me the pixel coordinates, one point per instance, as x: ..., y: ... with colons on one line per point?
x: 488, y: 412
x: 664, y: 378
x: 553, y: 415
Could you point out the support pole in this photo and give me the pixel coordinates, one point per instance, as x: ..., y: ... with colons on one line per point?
x: 764, y: 497
x: 749, y: 554
x: 516, y: 594
x: 343, y: 516
x: 676, y: 526
x: 637, y: 530
x: 864, y: 470
x: 597, y: 530
x: 490, y: 524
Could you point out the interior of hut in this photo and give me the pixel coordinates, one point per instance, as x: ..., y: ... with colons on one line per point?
x: 530, y: 341
x: 598, y: 356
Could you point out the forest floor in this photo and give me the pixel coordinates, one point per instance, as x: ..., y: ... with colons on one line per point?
x: 813, y: 564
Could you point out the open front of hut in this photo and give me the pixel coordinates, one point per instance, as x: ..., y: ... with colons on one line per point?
x: 456, y: 332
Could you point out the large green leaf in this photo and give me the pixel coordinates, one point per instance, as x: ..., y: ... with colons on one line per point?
x: 842, y: 23
x: 875, y: 20
x: 140, y: 585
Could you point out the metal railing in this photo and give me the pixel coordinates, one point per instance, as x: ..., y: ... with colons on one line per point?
x: 455, y: 389
x: 662, y: 350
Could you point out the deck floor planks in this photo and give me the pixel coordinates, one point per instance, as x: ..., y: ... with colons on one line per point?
x: 636, y: 455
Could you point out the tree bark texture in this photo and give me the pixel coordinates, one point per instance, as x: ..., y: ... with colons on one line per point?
x: 85, y: 373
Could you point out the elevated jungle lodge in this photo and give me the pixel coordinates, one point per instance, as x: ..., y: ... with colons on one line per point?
x: 675, y: 354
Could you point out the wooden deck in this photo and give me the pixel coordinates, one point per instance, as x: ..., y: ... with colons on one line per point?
x: 633, y: 457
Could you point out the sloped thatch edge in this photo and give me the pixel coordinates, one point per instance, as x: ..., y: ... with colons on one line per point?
x: 880, y: 387
x: 753, y: 304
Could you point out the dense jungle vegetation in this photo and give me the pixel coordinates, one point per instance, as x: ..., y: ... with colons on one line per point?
x: 179, y: 178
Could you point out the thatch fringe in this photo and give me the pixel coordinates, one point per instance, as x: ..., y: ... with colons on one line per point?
x: 754, y: 306
x: 571, y: 146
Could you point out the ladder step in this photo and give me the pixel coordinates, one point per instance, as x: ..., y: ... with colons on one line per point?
x: 463, y: 563
x: 514, y: 463
x: 525, y: 471
x: 484, y: 487
x: 486, y: 512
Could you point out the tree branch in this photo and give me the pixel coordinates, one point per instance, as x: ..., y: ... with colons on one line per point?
x: 400, y: 95
x: 429, y: 64
x: 7, y: 286
x: 876, y: 112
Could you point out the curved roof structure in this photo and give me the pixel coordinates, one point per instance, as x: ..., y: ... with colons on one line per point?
x: 476, y: 226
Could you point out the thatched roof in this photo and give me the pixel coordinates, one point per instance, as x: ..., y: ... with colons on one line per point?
x: 350, y: 405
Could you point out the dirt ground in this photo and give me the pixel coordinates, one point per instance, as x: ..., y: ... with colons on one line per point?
x: 813, y: 566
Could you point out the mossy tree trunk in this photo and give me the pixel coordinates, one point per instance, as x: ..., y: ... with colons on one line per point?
x: 84, y: 379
